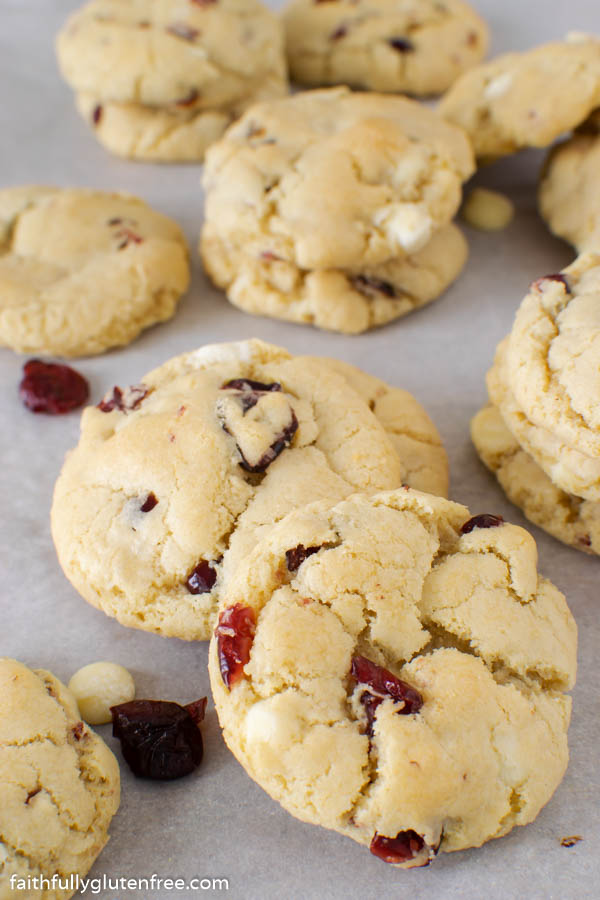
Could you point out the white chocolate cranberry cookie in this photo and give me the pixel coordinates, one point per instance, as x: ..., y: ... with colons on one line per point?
x: 331, y: 179
x: 569, y: 192
x: 174, y: 479
x: 59, y: 786
x: 402, y: 46
x: 84, y: 270
x: 393, y: 669
x: 196, y: 54
x: 569, y: 518
x: 344, y: 300
x: 526, y: 99
x: 553, y: 356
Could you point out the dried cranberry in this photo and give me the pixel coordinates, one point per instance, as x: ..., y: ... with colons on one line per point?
x: 400, y: 849
x: 201, y: 579
x: 372, y: 287
x: 77, y: 731
x: 279, y: 444
x: 149, y: 503
x: 539, y: 282
x: 235, y: 635
x: 127, y: 236
x: 183, y: 31
x: 247, y: 384
x: 585, y: 540
x: 97, y: 114
x: 32, y: 794
x: 402, y: 45
x: 340, y: 32
x: 384, y: 684
x: 52, y: 388
x: 189, y: 99
x: 197, y: 709
x: 297, y: 555
x: 124, y: 401
x: 115, y: 221
x: 485, y: 520
x: 159, y: 739
x: 268, y: 256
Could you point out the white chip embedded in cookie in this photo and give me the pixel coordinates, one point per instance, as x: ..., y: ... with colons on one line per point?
x: 331, y: 179
x: 569, y: 192
x: 381, y: 665
x: 526, y: 99
x: 84, y: 270
x: 175, y: 479
x: 401, y: 46
x: 59, y: 786
x: 569, y: 518
x: 203, y: 55
x: 347, y: 301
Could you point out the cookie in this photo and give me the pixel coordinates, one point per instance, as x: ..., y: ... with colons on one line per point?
x: 382, y: 666
x: 569, y: 191
x: 331, y: 179
x: 526, y: 99
x: 59, y: 786
x: 164, y: 53
x: 554, y: 355
x: 83, y: 270
x: 165, y: 134
x: 335, y: 299
x: 174, y: 479
x: 568, y: 518
x: 569, y: 469
x: 412, y: 46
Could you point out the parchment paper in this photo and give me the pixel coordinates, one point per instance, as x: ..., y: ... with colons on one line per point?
x: 217, y: 823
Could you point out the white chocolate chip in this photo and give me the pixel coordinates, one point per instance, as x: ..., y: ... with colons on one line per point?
x: 487, y: 210
x: 99, y: 686
x: 410, y: 226
x: 498, y: 86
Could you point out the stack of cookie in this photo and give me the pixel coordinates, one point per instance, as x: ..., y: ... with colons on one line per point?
x: 364, y: 641
x: 335, y: 208
x: 162, y: 80
x: 541, y: 433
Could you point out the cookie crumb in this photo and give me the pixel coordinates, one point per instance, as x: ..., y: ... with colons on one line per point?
x: 487, y: 210
x: 571, y: 840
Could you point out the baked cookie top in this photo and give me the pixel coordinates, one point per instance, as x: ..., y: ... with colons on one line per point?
x: 570, y: 469
x: 84, y: 270
x: 526, y: 99
x: 568, y: 518
x: 340, y: 300
x: 412, y: 46
x: 59, y: 783
x: 334, y: 179
x: 193, y: 54
x: 554, y: 354
x: 174, y: 479
x: 381, y: 665
x: 569, y: 192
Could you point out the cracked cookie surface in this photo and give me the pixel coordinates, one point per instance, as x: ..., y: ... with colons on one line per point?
x: 569, y: 192
x: 83, y: 270
x: 565, y: 516
x: 59, y: 783
x: 390, y: 663
x: 165, y: 53
x: 553, y: 355
x: 412, y: 46
x: 174, y: 480
x: 526, y: 99
x: 332, y: 179
x: 339, y: 300
x: 569, y: 469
